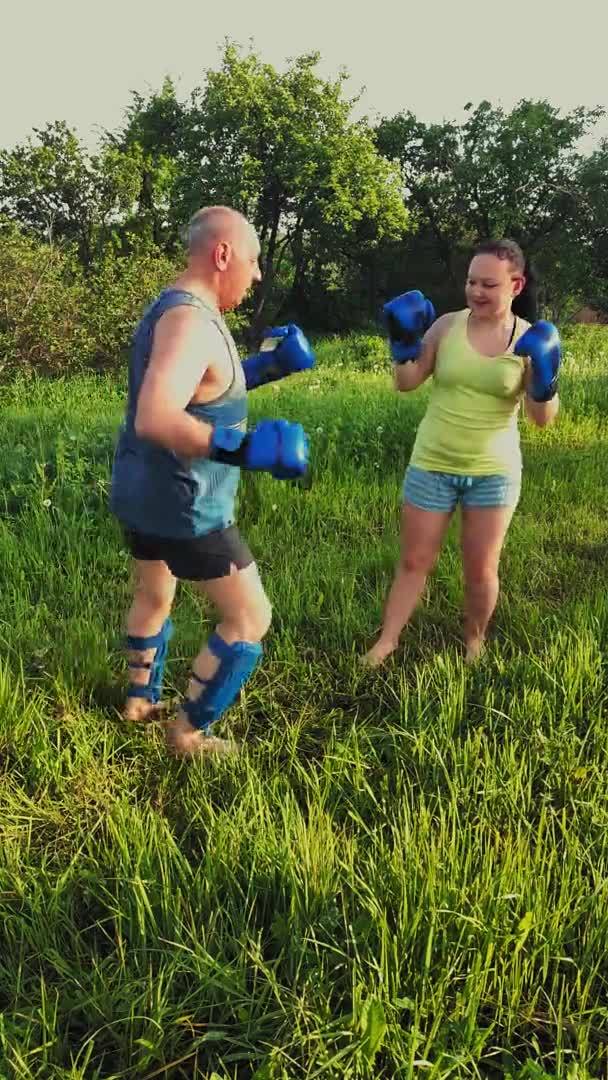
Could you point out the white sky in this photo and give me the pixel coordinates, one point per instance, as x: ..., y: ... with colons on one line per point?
x: 78, y: 61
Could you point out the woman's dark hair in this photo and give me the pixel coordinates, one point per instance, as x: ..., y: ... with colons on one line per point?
x: 526, y: 304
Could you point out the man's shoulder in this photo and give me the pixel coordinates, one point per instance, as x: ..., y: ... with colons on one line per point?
x: 187, y: 324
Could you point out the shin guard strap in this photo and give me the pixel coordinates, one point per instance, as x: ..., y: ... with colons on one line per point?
x: 151, y: 690
x: 237, y: 663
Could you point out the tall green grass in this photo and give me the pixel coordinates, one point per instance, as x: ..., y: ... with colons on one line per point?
x: 406, y: 874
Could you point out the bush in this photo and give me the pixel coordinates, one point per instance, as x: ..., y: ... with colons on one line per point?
x: 116, y: 296
x: 55, y: 320
x: 42, y: 298
x: 356, y: 351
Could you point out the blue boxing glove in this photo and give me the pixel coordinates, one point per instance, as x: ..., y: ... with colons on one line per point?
x: 407, y: 319
x: 274, y: 446
x: 541, y: 343
x: 292, y: 354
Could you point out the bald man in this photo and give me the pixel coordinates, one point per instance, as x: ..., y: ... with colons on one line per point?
x: 176, y: 472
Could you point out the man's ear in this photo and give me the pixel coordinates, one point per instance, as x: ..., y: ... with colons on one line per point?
x: 222, y: 255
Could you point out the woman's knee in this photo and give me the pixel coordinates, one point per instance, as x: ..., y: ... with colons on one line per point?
x: 417, y: 562
x: 481, y: 576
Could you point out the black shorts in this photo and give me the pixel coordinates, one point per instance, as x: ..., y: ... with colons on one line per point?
x: 201, y: 558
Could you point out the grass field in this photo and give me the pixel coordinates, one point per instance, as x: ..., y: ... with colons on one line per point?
x: 406, y: 874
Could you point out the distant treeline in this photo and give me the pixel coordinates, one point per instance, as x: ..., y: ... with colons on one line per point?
x: 348, y: 212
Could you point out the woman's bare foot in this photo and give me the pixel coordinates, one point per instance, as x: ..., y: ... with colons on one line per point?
x: 475, y: 648
x: 186, y: 741
x: 378, y: 653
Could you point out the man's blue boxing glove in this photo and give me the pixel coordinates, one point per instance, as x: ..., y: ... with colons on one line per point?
x: 542, y: 344
x: 292, y: 354
x: 274, y: 446
x: 407, y: 319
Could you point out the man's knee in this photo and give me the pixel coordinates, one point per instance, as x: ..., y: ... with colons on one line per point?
x: 265, y: 617
x: 155, y: 594
x: 255, y: 623
x: 248, y: 617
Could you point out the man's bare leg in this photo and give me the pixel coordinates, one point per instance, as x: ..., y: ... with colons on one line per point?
x: 245, y: 616
x: 153, y: 595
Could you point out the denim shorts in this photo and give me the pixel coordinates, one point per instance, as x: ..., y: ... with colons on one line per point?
x: 444, y: 491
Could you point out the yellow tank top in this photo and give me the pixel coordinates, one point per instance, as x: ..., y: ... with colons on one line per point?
x: 470, y: 426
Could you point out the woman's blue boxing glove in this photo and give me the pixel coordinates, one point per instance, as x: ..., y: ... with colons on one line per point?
x: 274, y: 446
x: 407, y: 319
x: 542, y: 344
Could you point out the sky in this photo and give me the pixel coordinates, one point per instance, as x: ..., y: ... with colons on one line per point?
x: 80, y: 61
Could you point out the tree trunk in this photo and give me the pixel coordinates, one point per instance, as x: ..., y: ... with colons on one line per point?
x: 268, y: 272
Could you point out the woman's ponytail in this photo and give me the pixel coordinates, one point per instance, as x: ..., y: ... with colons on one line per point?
x: 526, y: 304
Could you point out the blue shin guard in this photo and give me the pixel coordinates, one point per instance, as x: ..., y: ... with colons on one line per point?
x: 151, y: 690
x: 237, y: 662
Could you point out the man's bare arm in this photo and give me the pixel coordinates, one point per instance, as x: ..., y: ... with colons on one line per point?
x: 183, y: 347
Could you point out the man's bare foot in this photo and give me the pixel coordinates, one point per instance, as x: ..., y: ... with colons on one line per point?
x: 140, y: 711
x: 378, y: 653
x: 186, y: 741
x: 475, y: 648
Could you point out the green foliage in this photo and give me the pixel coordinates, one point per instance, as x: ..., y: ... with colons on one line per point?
x: 591, y: 228
x: 348, y: 213
x: 41, y: 307
x: 54, y: 319
x: 153, y: 136
x: 284, y: 149
x: 116, y: 298
x: 356, y: 352
x: 517, y: 174
x: 52, y: 187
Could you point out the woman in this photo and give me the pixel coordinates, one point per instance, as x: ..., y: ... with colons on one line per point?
x: 484, y: 360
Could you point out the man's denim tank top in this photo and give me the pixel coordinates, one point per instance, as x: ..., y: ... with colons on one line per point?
x: 154, y: 490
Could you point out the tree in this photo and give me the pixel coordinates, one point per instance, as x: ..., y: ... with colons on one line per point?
x: 283, y: 149
x: 592, y: 196
x: 53, y: 188
x: 153, y: 136
x: 497, y: 174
